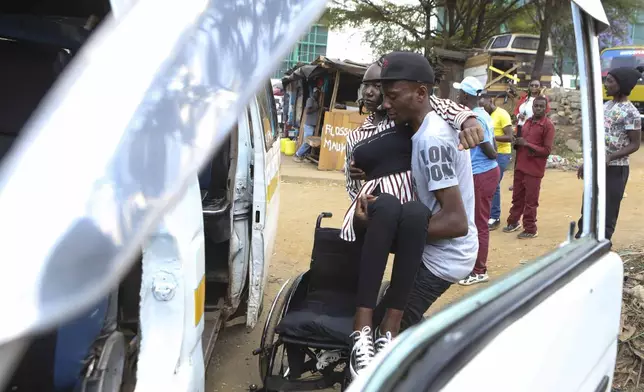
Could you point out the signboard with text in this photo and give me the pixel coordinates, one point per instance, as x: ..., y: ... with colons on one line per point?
x: 336, y: 127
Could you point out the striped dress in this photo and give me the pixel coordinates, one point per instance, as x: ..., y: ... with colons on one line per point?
x: 396, y: 184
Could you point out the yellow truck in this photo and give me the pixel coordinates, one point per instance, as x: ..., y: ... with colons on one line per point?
x: 625, y: 56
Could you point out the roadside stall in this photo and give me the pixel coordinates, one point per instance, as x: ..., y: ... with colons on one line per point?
x: 339, y: 83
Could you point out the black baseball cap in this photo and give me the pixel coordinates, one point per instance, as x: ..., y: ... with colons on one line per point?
x: 407, y: 66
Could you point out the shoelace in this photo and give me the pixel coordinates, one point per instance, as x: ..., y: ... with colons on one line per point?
x: 326, y: 358
x: 363, y: 347
x: 383, y: 341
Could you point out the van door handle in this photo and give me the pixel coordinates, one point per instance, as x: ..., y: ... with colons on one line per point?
x: 603, y: 384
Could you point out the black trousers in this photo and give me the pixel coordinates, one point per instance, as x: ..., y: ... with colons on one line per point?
x: 427, y: 288
x: 393, y: 227
x: 616, y: 179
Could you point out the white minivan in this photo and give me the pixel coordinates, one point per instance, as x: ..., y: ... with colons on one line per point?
x: 205, y: 264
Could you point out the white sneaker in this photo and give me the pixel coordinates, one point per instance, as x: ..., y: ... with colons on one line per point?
x: 363, y: 351
x: 383, y: 341
x: 327, y: 358
x: 474, y: 279
x: 491, y: 221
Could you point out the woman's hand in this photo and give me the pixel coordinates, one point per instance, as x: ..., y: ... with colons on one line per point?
x: 362, y: 216
x: 471, y: 135
x: 356, y: 173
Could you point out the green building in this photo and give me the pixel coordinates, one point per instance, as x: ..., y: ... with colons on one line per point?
x: 312, y: 45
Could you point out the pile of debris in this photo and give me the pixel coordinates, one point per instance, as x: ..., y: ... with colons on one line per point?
x: 562, y: 163
x: 565, y: 106
x: 630, y: 352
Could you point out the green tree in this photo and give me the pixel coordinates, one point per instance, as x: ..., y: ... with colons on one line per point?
x: 553, y: 19
x: 392, y: 26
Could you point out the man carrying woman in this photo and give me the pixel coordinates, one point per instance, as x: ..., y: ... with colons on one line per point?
x: 384, y: 214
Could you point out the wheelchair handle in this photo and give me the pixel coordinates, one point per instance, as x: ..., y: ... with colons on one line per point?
x: 322, y: 216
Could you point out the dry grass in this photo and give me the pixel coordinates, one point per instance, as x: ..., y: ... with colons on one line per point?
x: 630, y: 355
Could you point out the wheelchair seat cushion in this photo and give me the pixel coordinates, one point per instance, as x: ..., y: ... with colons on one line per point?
x: 323, y: 316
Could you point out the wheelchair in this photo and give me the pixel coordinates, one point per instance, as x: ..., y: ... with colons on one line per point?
x: 306, y: 342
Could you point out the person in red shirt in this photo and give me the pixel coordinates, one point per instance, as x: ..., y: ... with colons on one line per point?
x: 533, y: 148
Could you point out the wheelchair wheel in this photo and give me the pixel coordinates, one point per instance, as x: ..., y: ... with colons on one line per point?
x: 270, y: 349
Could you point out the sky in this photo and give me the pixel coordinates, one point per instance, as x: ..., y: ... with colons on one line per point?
x: 347, y: 44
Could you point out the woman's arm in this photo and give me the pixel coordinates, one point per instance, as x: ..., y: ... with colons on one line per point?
x: 454, y: 114
x: 518, y: 105
x: 352, y: 185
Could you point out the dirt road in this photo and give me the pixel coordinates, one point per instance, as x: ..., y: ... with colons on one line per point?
x: 234, y: 368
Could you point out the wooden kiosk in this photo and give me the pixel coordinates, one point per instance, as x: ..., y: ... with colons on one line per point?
x: 339, y: 82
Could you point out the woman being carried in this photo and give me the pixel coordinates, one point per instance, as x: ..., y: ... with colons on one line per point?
x: 384, y: 214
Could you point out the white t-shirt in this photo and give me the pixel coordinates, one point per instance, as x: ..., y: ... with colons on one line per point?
x: 438, y: 164
x: 526, y: 110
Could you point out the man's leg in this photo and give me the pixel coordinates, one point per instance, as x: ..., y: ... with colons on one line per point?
x: 484, y: 185
x: 616, y: 179
x: 305, y: 148
x: 427, y: 288
x: 532, y: 190
x: 518, y: 198
x: 503, y: 160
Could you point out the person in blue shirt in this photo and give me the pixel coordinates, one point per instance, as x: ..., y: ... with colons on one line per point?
x: 486, y: 175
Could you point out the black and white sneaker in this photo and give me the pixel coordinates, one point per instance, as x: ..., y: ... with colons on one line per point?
x: 382, y: 341
x: 363, y: 351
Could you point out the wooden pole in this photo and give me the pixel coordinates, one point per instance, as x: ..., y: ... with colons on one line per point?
x: 334, y: 96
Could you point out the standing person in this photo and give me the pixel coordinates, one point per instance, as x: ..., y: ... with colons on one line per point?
x: 442, y: 178
x: 312, y: 110
x: 384, y: 216
x: 622, y: 130
x: 523, y: 110
x: 504, y: 137
x: 486, y: 176
x: 533, y: 148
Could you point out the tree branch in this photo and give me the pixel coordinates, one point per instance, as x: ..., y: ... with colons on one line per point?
x: 386, y: 18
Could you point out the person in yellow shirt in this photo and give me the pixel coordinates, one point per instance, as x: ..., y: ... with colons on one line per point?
x: 503, y: 135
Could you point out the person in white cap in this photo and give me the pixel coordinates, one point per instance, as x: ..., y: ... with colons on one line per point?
x: 486, y: 175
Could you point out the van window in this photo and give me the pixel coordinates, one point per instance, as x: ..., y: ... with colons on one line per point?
x: 525, y: 43
x: 489, y: 43
x: 267, y: 113
x: 250, y: 128
x: 501, y: 42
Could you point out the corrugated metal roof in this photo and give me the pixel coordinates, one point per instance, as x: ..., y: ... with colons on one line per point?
x: 323, y: 65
